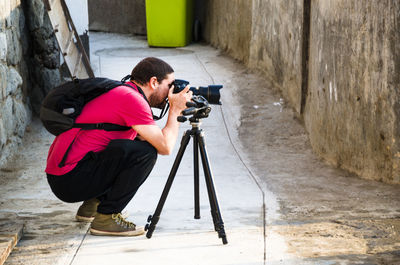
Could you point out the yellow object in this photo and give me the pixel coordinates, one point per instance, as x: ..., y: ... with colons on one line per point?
x: 169, y: 23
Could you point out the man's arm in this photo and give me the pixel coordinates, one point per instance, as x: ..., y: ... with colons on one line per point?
x: 164, y: 140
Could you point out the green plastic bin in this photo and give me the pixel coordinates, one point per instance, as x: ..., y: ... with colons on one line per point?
x: 169, y: 23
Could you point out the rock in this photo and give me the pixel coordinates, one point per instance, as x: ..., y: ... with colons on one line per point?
x: 14, y: 81
x: 9, y: 149
x: 7, y: 115
x: 46, y: 79
x: 3, y: 46
x: 3, y: 81
x: 14, y: 51
x: 3, y: 136
x: 21, y: 116
x: 12, y: 21
x: 36, y: 14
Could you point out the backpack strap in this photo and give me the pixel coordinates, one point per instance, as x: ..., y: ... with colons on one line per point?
x: 101, y: 126
x: 62, y: 163
x: 92, y: 126
x: 140, y: 90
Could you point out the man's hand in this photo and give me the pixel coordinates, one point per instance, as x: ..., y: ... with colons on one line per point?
x: 178, y: 101
x: 164, y: 140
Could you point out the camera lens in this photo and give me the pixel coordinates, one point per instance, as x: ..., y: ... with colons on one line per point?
x: 210, y: 93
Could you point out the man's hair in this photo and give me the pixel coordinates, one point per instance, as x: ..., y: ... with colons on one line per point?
x: 149, y: 67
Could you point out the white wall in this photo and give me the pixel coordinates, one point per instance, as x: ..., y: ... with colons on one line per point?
x: 80, y: 14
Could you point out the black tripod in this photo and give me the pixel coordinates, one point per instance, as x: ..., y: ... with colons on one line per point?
x: 198, y: 144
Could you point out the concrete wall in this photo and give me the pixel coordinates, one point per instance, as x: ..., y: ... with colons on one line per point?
x: 29, y: 62
x: 264, y: 34
x: 336, y: 62
x: 352, y: 108
x: 228, y: 26
x: 276, y: 45
x: 122, y: 16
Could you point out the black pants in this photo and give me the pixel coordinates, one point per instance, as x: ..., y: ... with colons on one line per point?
x: 112, y: 175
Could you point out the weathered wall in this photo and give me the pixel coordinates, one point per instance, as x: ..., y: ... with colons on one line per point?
x: 276, y: 43
x: 348, y: 93
x: 123, y: 16
x: 264, y: 34
x: 352, y: 108
x: 228, y: 26
x: 28, y: 68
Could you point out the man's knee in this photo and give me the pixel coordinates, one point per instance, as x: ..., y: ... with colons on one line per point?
x: 134, y: 151
x: 143, y: 159
x: 148, y: 151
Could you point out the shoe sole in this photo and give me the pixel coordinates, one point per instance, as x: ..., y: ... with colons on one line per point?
x: 137, y: 232
x: 84, y: 219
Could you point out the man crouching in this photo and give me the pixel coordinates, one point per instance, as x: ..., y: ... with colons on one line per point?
x: 104, y: 169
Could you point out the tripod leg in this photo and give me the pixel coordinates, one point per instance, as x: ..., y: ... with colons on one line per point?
x: 153, y: 219
x: 196, y: 178
x: 212, y: 196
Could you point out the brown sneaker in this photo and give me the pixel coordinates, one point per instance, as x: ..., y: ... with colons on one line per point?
x: 114, y: 225
x: 87, y: 210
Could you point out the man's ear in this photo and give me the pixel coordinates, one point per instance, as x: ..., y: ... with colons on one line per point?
x: 153, y: 82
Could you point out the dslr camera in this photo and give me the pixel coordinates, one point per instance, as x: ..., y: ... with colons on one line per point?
x: 210, y: 93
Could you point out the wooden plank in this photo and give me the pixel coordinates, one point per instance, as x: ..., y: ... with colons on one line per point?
x: 70, y: 50
x: 52, y: 2
x: 10, y: 233
x: 60, y: 25
x: 85, y: 58
x: 68, y: 40
x: 70, y: 57
x: 77, y: 66
x: 6, y: 245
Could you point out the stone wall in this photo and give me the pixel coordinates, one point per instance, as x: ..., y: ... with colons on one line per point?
x: 336, y: 62
x: 44, y: 57
x: 14, y: 111
x: 29, y: 62
x: 127, y: 16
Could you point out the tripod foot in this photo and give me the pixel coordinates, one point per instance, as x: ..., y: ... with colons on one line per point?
x: 222, y: 235
x: 151, y: 225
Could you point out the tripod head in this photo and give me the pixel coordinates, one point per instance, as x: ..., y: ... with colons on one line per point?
x: 199, y: 108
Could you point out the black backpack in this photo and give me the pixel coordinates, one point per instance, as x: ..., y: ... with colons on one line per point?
x: 64, y: 103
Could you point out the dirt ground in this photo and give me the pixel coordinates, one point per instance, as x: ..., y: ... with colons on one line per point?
x: 327, y: 216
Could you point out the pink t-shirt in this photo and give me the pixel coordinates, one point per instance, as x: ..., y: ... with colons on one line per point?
x: 122, y: 105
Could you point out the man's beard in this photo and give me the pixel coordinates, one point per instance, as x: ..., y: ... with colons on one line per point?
x: 156, y: 102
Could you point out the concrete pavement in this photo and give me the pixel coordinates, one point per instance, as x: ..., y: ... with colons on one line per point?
x: 52, y: 236
x: 178, y: 238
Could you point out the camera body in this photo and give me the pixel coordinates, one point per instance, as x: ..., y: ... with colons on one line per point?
x: 210, y: 93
